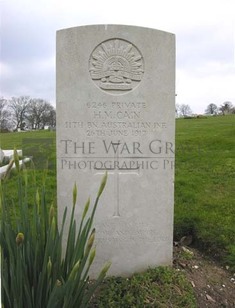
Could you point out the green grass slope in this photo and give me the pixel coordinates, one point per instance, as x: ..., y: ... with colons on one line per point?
x: 205, y: 183
x: 45, y: 156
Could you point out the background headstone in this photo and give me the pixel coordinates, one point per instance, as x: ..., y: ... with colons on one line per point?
x: 116, y: 112
x: 1, y: 156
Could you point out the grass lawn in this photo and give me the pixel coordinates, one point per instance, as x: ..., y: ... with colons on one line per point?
x: 45, y: 157
x: 204, y: 204
x: 204, y: 179
x: 11, y: 140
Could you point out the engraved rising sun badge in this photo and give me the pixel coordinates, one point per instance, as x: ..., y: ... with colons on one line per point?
x: 116, y: 66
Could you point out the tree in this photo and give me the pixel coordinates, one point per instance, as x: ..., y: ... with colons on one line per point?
x: 40, y: 114
x: 5, y: 123
x: 226, y: 108
x: 36, y: 109
x: 51, y: 118
x: 23, y: 111
x: 20, y: 108
x: 211, y: 109
x: 185, y: 110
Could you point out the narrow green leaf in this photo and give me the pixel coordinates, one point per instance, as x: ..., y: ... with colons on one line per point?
x: 102, y: 185
x: 16, y: 160
x: 74, y: 194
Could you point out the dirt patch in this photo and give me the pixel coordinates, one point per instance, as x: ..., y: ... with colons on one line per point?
x: 214, y: 286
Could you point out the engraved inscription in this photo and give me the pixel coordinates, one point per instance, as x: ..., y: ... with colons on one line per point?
x: 116, y: 66
x: 147, y: 232
x: 117, y: 119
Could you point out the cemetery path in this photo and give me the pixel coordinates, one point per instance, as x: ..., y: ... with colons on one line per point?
x: 214, y: 286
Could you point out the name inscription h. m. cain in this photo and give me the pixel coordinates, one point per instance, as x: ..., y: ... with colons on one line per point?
x: 116, y: 65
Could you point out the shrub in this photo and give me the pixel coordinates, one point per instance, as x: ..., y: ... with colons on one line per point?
x: 35, y: 272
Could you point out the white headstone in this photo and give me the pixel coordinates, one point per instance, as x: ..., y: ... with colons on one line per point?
x: 116, y: 112
x: 1, y: 156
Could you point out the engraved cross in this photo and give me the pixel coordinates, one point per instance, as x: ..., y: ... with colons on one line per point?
x: 117, y: 172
